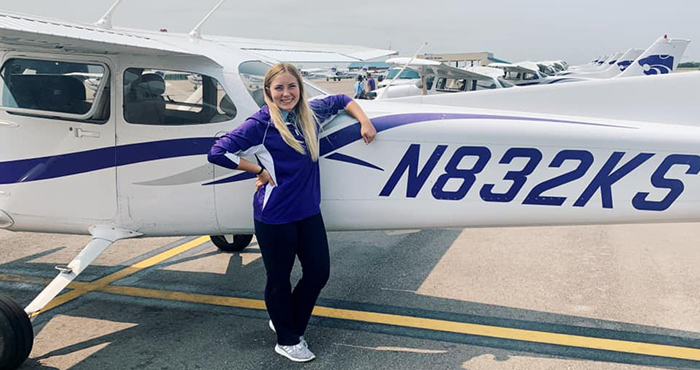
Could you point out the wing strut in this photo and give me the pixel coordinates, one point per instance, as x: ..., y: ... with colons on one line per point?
x: 196, y: 33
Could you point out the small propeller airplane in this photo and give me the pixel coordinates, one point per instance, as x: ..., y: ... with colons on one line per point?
x: 423, y: 77
x: 127, y: 159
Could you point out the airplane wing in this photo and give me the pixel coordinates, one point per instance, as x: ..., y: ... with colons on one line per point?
x: 18, y: 30
x: 427, y: 66
x: 402, y: 61
x: 459, y: 73
x: 514, y: 67
x: 49, y: 34
x: 303, y: 52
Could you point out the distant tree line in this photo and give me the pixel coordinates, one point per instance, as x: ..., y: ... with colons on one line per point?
x: 689, y: 65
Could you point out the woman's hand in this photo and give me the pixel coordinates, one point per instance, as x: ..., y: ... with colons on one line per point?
x: 368, y: 131
x: 263, y: 178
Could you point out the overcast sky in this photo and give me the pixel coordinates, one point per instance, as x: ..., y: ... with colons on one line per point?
x: 513, y: 30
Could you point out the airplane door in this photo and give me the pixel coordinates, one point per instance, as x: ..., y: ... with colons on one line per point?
x: 168, y: 122
x: 57, y: 134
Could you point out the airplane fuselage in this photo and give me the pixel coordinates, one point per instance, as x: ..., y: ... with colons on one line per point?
x: 430, y: 166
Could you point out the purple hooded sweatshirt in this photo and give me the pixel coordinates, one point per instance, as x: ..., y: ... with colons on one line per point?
x: 297, y: 194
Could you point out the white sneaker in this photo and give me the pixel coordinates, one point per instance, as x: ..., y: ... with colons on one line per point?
x: 296, y: 353
x: 301, y: 338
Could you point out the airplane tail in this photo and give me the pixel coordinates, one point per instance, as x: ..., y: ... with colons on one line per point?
x: 661, y: 57
x: 626, y: 60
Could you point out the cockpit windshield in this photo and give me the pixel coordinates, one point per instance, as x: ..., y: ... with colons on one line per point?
x: 407, y: 74
x: 505, y: 83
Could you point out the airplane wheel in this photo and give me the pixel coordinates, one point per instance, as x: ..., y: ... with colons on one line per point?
x: 16, y: 334
x: 239, y: 242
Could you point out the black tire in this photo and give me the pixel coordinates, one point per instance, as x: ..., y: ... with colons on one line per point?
x: 239, y: 242
x: 16, y: 335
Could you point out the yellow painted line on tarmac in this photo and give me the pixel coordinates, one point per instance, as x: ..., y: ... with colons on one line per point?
x: 80, y: 289
x: 534, y: 336
x: 255, y: 304
x: 513, y: 334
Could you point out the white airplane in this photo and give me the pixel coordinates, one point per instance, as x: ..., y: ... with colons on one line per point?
x: 129, y: 159
x: 661, y: 57
x: 433, y: 77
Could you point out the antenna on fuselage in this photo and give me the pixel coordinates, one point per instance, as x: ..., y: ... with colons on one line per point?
x: 106, y: 20
x: 386, y: 88
x: 196, y: 33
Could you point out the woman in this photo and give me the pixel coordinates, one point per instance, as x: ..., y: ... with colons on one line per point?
x: 284, y: 137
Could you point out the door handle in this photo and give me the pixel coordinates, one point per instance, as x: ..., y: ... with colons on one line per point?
x: 79, y: 132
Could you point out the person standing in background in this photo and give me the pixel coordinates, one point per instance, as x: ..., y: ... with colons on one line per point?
x: 371, y: 84
x: 359, y: 88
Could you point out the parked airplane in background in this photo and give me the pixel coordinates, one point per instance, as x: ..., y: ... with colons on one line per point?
x: 129, y: 158
x: 423, y: 77
x: 337, y: 74
x: 661, y: 57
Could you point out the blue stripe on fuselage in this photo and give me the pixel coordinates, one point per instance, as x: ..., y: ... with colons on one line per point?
x: 35, y: 169
x: 60, y: 165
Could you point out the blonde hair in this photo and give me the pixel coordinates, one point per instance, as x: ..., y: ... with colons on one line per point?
x: 305, y: 116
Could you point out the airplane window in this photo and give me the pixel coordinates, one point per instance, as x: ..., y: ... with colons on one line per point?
x: 312, y: 91
x: 407, y: 74
x: 253, y: 75
x: 485, y: 85
x: 56, y: 89
x: 172, y: 98
x: 451, y: 84
x: 512, y: 75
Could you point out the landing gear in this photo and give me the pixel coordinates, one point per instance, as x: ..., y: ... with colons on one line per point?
x: 16, y: 334
x: 231, y: 243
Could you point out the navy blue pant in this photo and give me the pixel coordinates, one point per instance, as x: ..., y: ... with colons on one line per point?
x: 289, y: 310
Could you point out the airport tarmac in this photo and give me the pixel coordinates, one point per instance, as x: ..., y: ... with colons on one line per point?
x: 584, y: 297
